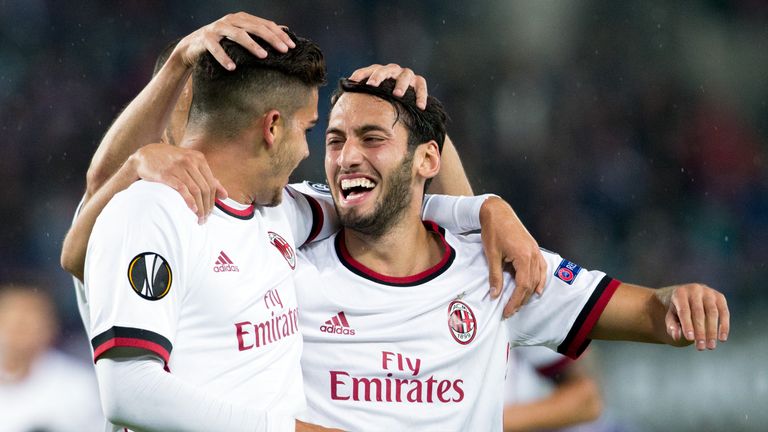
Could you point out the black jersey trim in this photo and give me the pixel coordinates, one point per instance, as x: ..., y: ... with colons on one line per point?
x: 130, y: 337
x: 577, y: 339
x: 245, y: 214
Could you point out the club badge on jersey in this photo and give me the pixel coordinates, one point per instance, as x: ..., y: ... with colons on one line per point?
x: 567, y: 271
x: 150, y: 275
x: 284, y: 247
x: 461, y: 322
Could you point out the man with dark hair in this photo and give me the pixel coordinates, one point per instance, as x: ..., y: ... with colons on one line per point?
x: 399, y: 332
x: 158, y: 283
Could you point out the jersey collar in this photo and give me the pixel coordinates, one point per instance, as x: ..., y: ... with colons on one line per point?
x: 359, y: 269
x: 235, y: 209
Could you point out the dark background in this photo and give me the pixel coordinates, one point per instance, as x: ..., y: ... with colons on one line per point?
x: 630, y: 136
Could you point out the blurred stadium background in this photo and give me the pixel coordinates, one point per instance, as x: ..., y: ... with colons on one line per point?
x: 630, y: 136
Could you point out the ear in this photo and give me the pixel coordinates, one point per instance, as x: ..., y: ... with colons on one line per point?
x: 271, y: 127
x: 428, y: 159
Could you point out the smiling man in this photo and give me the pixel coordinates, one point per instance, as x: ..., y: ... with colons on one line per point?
x: 399, y: 332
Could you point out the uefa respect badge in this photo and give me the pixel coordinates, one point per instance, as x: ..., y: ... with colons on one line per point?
x: 567, y: 271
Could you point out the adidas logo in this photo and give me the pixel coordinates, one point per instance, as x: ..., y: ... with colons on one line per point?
x: 224, y: 264
x: 338, y: 325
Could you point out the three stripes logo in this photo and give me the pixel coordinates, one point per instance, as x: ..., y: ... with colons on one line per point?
x: 338, y: 325
x: 224, y: 264
x: 150, y: 275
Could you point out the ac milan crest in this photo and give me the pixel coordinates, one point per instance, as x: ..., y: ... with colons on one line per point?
x: 461, y: 322
x: 284, y: 247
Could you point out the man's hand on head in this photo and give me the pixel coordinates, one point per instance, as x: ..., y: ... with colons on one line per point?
x: 237, y: 28
x: 374, y: 74
x: 506, y: 241
x: 185, y: 170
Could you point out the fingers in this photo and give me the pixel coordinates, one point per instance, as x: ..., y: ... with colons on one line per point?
x: 672, y: 325
x: 725, y: 317
x: 268, y: 30
x: 211, y: 43
x: 703, y: 315
x: 403, y: 81
x: 514, y: 303
x: 712, y: 316
x: 495, y: 270
x: 215, y: 188
x: 362, y: 74
x: 420, y: 85
x: 182, y: 189
x: 542, y: 272
x: 683, y: 315
x: 221, y: 193
x: 192, y: 188
x: 203, y: 192
x: 383, y: 72
x: 238, y: 28
x: 699, y: 319
x: 523, y: 288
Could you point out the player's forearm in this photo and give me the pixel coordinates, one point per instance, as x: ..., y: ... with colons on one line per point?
x: 451, y: 180
x: 636, y: 313
x: 573, y: 402
x: 76, y: 242
x: 138, y: 393
x: 142, y: 122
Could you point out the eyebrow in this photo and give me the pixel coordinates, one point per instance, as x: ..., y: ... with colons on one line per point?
x: 361, y: 130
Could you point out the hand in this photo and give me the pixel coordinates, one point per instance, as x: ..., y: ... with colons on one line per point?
x: 235, y: 27
x: 699, y: 312
x: 309, y: 427
x: 184, y: 170
x: 405, y: 78
x: 506, y: 241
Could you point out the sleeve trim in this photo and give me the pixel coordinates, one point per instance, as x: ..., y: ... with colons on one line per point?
x: 317, y: 218
x: 129, y: 337
x: 577, y: 339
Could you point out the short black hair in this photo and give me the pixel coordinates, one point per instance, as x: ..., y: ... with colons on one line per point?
x: 227, y: 101
x: 422, y: 125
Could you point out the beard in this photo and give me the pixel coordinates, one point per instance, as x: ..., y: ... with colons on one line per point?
x: 389, y: 209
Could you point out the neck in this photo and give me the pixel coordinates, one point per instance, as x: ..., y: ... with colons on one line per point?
x: 232, y: 166
x: 405, y: 249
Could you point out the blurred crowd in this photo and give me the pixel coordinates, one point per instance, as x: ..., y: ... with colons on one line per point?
x: 630, y: 136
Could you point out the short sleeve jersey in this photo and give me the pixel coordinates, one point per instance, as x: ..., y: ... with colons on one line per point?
x: 429, y: 351
x: 215, y: 301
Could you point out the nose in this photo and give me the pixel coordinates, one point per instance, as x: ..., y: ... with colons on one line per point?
x: 350, y: 154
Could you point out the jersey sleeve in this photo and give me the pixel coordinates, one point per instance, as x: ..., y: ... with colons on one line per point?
x: 563, y: 316
x: 457, y: 214
x: 135, y: 270
x: 310, y: 210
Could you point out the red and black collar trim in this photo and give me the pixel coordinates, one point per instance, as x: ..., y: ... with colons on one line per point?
x: 244, y: 214
x: 427, y: 275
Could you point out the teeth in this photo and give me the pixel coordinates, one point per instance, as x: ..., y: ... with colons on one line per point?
x: 347, y: 184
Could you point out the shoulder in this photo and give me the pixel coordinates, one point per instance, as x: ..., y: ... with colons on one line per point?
x: 320, y: 250
x: 144, y: 200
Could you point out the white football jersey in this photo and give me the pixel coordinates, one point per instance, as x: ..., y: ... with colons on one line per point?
x: 216, y: 301
x: 427, y: 352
